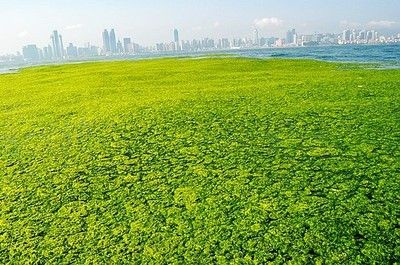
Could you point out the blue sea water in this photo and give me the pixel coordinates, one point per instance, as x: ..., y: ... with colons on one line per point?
x: 386, y: 55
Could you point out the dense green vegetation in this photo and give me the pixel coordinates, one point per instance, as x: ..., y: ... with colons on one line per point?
x: 182, y: 161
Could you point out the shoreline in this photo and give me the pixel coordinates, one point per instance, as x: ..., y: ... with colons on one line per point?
x: 260, y: 53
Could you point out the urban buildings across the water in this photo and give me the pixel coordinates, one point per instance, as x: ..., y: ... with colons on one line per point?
x: 122, y: 46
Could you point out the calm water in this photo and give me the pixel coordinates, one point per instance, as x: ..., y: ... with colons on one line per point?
x: 388, y: 56
x: 7, y: 71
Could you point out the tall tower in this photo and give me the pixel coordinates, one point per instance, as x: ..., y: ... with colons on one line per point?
x: 61, y: 47
x: 58, y: 48
x: 176, y: 40
x: 256, y: 37
x: 176, y: 36
x: 106, y: 42
x: 113, y: 42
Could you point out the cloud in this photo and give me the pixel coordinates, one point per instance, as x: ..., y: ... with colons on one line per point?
x: 72, y: 27
x: 22, y: 34
x: 217, y: 24
x: 349, y: 24
x: 268, y: 22
x: 381, y: 24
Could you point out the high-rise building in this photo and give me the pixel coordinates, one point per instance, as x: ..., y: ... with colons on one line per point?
x: 295, y: 39
x: 176, y: 35
x: 58, y: 47
x: 106, y: 42
x: 185, y: 45
x: 362, y: 35
x: 120, y: 48
x: 72, y: 51
x: 113, y: 42
x: 256, y: 38
x: 291, y: 36
x: 370, y: 35
x: 376, y: 36
x: 62, y: 47
x: 47, y: 53
x: 127, y: 45
x: 176, y: 40
x: 225, y: 43
x: 31, y: 53
x: 346, y: 35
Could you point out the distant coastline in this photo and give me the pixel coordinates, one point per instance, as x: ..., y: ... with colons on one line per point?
x: 387, y: 55
x: 9, y: 70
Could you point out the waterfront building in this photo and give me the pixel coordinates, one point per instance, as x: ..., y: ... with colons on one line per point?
x: 291, y: 37
x: 58, y: 47
x: 72, y: 51
x: 120, y: 48
x: 31, y: 53
x: 113, y: 42
x: 47, y: 53
x: 256, y: 38
x: 176, y: 40
x: 346, y: 36
x: 106, y: 42
x: 127, y: 45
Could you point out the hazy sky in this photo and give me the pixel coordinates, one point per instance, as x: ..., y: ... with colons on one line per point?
x: 150, y: 21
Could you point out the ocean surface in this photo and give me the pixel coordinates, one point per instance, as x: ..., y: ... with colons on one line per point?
x: 386, y: 56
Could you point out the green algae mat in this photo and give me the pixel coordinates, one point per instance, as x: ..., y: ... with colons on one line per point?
x: 207, y: 161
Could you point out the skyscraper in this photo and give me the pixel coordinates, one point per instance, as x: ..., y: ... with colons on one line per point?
x: 72, y: 51
x: 106, y: 42
x: 256, y: 38
x: 176, y: 40
x: 176, y: 36
x: 47, y: 53
x: 362, y: 35
x: 120, y: 48
x: 225, y: 43
x: 31, y: 53
x: 113, y: 42
x: 127, y: 45
x: 346, y: 35
x: 58, y: 47
x: 62, y: 47
x: 291, y: 36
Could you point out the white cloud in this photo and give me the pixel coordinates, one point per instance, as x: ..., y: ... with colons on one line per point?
x: 22, y: 34
x: 349, y: 24
x: 268, y: 22
x: 217, y: 24
x: 72, y: 27
x: 381, y: 24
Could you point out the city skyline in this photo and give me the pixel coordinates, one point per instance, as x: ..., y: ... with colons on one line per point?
x: 149, y: 23
x: 55, y: 51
